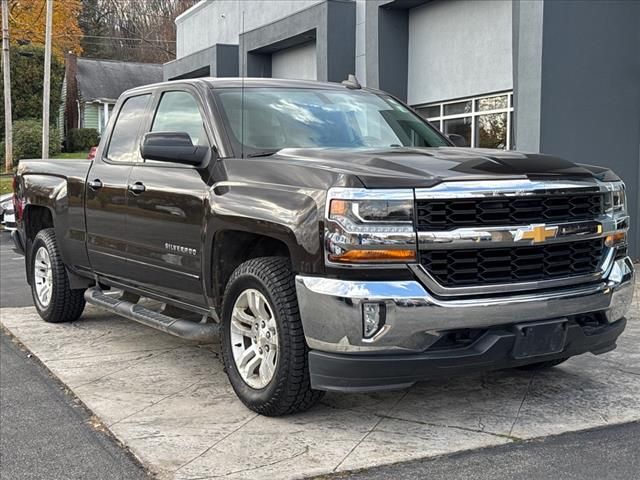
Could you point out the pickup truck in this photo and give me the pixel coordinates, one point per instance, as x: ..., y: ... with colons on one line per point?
x: 328, y: 236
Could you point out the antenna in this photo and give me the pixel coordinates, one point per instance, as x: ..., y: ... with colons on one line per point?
x: 242, y: 73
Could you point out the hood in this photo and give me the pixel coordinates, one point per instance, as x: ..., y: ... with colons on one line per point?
x: 425, y: 167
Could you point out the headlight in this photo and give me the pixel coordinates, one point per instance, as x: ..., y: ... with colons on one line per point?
x: 615, y: 206
x: 369, y: 226
x: 615, y: 201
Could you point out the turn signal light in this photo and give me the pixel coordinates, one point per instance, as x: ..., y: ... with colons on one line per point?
x: 374, y: 255
x: 338, y: 208
x: 615, y: 239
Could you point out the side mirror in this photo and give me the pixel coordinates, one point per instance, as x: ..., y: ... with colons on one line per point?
x: 172, y: 147
x: 457, y: 140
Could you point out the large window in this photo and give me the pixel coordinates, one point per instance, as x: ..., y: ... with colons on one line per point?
x: 179, y: 112
x: 268, y: 119
x: 485, y: 122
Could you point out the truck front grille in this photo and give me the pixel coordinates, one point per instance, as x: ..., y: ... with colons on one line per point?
x: 468, y: 267
x: 448, y: 214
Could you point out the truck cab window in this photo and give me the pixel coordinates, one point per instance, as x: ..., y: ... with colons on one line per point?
x: 179, y: 112
x: 122, y: 146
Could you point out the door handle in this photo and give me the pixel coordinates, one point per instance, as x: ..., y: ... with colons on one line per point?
x: 95, y: 184
x: 137, y: 188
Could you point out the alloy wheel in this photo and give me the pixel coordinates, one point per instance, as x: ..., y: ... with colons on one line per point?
x: 254, y: 338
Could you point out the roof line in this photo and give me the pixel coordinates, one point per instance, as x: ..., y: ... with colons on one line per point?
x: 116, y: 61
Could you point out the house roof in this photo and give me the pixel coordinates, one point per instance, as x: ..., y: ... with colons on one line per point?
x: 105, y: 80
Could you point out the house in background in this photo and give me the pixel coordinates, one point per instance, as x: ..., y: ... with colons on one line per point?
x: 91, y: 87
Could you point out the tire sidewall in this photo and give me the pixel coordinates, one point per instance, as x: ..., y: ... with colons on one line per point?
x: 43, y: 239
x: 243, y: 390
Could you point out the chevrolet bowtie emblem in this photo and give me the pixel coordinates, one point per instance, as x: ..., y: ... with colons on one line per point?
x: 537, y: 233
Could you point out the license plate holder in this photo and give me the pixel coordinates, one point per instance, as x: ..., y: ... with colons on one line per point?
x: 535, y: 339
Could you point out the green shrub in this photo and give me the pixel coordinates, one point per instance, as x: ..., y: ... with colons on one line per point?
x: 27, y: 64
x: 27, y: 140
x: 82, y: 139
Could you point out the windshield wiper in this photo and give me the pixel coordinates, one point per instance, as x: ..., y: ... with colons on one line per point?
x: 266, y: 153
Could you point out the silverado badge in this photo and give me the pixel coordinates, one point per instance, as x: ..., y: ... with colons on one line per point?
x: 537, y: 233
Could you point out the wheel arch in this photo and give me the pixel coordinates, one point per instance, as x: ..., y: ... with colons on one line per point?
x: 232, y: 247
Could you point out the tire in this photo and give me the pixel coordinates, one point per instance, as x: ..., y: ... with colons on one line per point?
x: 62, y: 304
x: 289, y: 388
x: 543, y: 365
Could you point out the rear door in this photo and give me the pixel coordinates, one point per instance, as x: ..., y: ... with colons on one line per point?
x: 106, y: 192
x: 168, y: 204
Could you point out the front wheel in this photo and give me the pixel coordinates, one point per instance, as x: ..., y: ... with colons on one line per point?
x: 55, y: 301
x: 263, y: 345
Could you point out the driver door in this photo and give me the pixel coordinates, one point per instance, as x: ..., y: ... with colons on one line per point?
x: 168, y: 206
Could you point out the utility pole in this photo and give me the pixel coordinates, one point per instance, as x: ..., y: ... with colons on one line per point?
x: 8, y: 126
x: 47, y: 82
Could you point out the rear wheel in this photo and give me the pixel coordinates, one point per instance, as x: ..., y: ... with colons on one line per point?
x: 543, y: 365
x: 263, y: 346
x: 53, y: 298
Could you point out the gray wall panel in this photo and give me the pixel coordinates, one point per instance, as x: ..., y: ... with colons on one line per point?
x: 578, y: 87
x: 459, y: 48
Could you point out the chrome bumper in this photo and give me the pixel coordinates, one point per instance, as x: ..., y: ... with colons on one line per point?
x: 331, y: 310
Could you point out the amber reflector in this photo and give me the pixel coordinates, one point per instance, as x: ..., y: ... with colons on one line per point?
x: 338, y: 207
x: 363, y: 256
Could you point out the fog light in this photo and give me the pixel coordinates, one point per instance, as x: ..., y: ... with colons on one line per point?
x: 372, y: 318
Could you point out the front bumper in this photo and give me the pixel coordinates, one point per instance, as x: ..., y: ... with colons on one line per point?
x: 331, y: 311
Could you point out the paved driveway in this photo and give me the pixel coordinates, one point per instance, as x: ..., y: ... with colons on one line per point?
x: 170, y: 402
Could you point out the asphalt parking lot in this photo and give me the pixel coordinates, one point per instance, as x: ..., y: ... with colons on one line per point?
x: 170, y: 403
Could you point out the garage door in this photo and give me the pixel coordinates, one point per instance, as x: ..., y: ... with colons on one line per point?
x: 297, y: 62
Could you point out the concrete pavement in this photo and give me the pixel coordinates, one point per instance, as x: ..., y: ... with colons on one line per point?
x: 170, y: 402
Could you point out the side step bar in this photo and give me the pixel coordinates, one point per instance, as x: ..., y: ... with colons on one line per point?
x: 187, y: 329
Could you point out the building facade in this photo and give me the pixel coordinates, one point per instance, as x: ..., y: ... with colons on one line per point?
x: 551, y: 76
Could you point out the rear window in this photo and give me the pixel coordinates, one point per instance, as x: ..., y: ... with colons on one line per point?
x: 122, y: 146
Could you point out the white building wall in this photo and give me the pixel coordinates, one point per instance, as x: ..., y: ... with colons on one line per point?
x: 459, y: 48
x: 220, y: 21
x: 297, y: 62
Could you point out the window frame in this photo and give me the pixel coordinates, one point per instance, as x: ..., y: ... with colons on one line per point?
x: 438, y: 122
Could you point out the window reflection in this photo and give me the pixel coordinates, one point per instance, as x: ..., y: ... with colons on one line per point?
x: 273, y: 118
x: 457, y: 108
x: 459, y: 126
x: 125, y: 132
x: 492, y: 130
x: 491, y: 103
x: 179, y: 112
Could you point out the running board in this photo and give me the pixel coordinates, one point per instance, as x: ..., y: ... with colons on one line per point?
x: 187, y: 329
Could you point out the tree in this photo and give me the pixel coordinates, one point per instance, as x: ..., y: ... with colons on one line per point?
x: 27, y: 65
x: 27, y: 24
x: 121, y: 30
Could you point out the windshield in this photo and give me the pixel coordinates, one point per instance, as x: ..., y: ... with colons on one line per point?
x: 276, y: 118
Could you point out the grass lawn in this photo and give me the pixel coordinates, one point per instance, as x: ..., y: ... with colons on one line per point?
x: 82, y: 155
x: 5, y: 184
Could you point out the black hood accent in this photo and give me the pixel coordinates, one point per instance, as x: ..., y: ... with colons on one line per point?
x: 424, y: 167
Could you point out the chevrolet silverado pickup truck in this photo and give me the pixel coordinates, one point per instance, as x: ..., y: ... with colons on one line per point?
x: 328, y: 236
